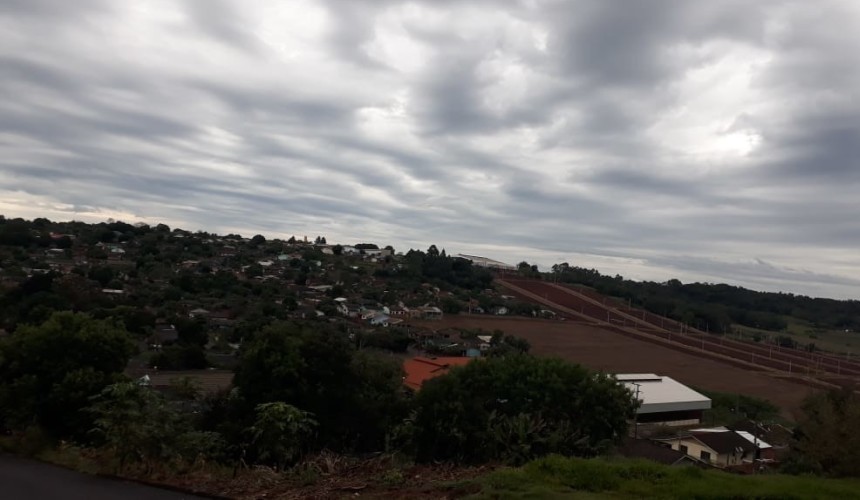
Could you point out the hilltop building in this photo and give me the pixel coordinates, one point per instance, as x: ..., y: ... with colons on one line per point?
x: 487, y: 262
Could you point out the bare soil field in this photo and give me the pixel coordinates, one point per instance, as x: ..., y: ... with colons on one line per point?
x: 599, y: 349
x: 573, y: 303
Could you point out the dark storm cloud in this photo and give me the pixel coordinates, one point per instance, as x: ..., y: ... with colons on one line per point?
x: 718, y: 141
x: 636, y: 44
x: 823, y: 146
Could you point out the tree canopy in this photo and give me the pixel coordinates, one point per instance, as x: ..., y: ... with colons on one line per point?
x: 48, y: 372
x: 353, y: 397
x: 518, y: 407
x: 716, y: 306
x: 826, y: 439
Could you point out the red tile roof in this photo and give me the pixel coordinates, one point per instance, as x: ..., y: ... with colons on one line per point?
x: 419, y: 370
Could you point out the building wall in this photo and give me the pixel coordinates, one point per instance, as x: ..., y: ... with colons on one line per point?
x: 691, y: 417
x: 695, y: 448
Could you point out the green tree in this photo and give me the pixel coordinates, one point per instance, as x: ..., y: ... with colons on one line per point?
x: 254, y: 270
x: 63, y: 242
x: 16, y: 233
x: 192, y: 331
x: 102, y: 274
x: 826, y: 440
x: 138, y: 425
x: 281, y: 433
x: 378, y: 399
x: 48, y: 372
x: 504, y: 345
x: 519, y: 407
x: 451, y: 305
x: 314, y: 367
x: 528, y: 270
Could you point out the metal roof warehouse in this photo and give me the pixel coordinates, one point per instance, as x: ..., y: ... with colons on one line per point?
x: 664, y: 399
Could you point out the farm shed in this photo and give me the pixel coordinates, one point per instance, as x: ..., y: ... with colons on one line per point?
x: 664, y: 400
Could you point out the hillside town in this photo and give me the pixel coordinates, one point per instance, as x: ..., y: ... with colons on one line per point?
x: 192, y: 300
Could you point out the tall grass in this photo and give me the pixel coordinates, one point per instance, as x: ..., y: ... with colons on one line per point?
x: 560, y: 477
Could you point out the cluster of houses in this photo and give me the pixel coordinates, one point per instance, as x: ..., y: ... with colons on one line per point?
x: 266, y: 262
x: 386, y: 315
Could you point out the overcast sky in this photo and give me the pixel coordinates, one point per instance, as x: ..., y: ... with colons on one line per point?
x: 706, y: 141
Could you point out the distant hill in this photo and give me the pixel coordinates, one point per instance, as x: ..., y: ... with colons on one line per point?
x: 716, y: 307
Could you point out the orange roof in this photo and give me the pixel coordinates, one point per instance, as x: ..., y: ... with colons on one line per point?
x: 419, y: 370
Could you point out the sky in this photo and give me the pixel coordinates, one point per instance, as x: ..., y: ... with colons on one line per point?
x: 706, y: 141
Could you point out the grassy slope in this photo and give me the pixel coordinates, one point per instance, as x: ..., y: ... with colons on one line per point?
x: 835, y: 341
x: 558, y: 477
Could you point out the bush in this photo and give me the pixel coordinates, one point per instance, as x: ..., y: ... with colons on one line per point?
x: 281, y: 433
x: 826, y: 440
x: 516, y: 408
x: 355, y: 398
x: 729, y: 408
x: 49, y: 372
x: 138, y: 425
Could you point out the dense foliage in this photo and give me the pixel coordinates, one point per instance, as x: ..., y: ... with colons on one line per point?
x: 826, y: 440
x: 517, y: 407
x: 354, y: 397
x: 140, y: 425
x: 438, y: 268
x: 731, y: 408
x: 716, y: 306
x: 48, y: 372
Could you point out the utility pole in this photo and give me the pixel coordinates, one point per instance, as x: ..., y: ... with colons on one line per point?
x: 755, y: 443
x: 636, y: 414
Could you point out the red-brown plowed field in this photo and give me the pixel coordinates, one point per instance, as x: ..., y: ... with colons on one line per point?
x: 794, y: 361
x: 599, y: 349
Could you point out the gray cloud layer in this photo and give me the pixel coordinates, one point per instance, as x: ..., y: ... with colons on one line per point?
x: 702, y: 140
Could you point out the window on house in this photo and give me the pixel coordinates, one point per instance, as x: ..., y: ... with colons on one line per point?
x: 683, y: 449
x: 704, y: 455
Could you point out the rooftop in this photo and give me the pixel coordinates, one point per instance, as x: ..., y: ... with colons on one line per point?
x: 642, y: 448
x: 659, y: 393
x: 486, y: 262
x: 419, y: 370
x: 724, y: 442
x: 754, y: 440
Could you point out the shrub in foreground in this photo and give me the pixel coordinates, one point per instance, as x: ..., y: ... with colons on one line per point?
x: 48, y: 372
x: 516, y: 408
